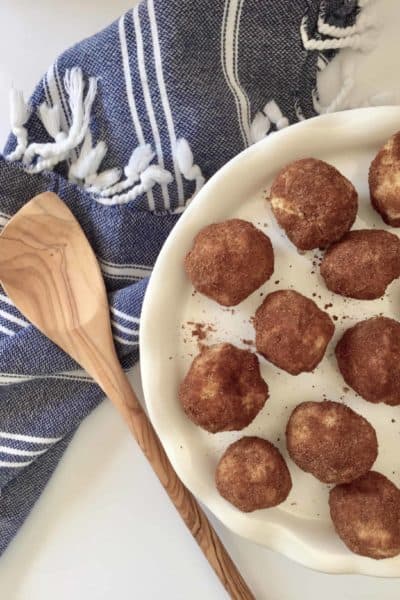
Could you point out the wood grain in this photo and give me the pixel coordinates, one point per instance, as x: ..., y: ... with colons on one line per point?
x: 49, y: 270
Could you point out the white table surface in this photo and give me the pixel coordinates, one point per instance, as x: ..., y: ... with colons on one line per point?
x: 103, y: 527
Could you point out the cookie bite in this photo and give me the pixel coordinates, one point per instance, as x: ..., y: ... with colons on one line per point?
x: 331, y: 441
x: 223, y: 389
x: 252, y: 475
x: 368, y: 357
x: 229, y: 261
x: 384, y: 181
x: 291, y: 331
x: 313, y: 202
x: 362, y: 264
x: 366, y: 515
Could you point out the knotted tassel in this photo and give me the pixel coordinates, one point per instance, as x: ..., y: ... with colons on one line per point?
x: 154, y: 174
x: 138, y: 162
x: 19, y: 115
x: 184, y: 157
x: 80, y: 106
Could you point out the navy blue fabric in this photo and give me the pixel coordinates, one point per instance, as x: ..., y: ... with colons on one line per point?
x: 175, y: 73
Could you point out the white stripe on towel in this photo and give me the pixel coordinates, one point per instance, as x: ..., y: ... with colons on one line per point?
x: 6, y: 299
x: 14, y: 465
x: 112, y: 264
x: 13, y: 318
x: 11, y: 378
x: 15, y: 452
x: 29, y: 438
x: 125, y: 271
x: 121, y: 340
x: 164, y: 96
x: 124, y: 329
x: 3, y: 220
x: 124, y: 316
x: 7, y: 331
x: 229, y: 60
x: 147, y: 98
x: 130, y: 96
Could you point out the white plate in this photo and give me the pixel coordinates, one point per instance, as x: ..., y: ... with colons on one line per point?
x: 300, y: 528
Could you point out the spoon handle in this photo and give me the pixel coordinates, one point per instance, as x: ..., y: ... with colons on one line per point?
x: 125, y: 400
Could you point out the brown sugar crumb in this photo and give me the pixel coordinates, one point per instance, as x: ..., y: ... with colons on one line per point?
x: 200, y: 330
x: 329, y: 305
x: 334, y: 317
x: 248, y: 342
x: 314, y: 294
x: 276, y: 282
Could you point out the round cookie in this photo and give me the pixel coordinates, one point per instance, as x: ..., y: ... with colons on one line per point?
x: 362, y: 264
x: 368, y: 357
x: 313, y: 202
x: 229, y: 261
x: 223, y: 389
x: 291, y: 331
x: 252, y: 475
x: 331, y: 441
x: 366, y: 515
x: 384, y: 181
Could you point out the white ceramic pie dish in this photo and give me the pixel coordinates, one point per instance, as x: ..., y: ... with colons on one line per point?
x: 300, y: 528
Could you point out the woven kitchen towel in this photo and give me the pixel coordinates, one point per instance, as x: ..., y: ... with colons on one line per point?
x: 126, y: 126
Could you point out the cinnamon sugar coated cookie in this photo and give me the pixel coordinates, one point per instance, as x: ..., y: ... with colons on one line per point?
x: 223, y: 389
x: 366, y: 515
x: 313, y: 202
x: 291, y: 331
x: 252, y: 474
x: 331, y: 441
x: 362, y: 264
x: 384, y: 181
x: 368, y: 357
x: 229, y: 261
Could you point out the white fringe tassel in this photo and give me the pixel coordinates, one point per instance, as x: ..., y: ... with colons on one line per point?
x: 338, y: 102
x: 148, y: 178
x: 259, y: 128
x: 53, y: 153
x: 184, y: 158
x: 261, y: 124
x: 140, y: 159
x: 357, y: 36
x: 19, y: 115
x: 140, y: 175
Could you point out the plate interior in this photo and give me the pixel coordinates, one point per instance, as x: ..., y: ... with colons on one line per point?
x: 175, y: 319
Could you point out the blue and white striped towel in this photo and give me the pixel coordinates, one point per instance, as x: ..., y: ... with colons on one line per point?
x: 125, y: 127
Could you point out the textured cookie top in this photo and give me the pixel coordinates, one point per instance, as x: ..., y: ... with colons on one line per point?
x: 313, y: 202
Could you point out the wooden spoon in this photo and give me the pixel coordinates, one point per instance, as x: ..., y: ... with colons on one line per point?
x: 49, y: 270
